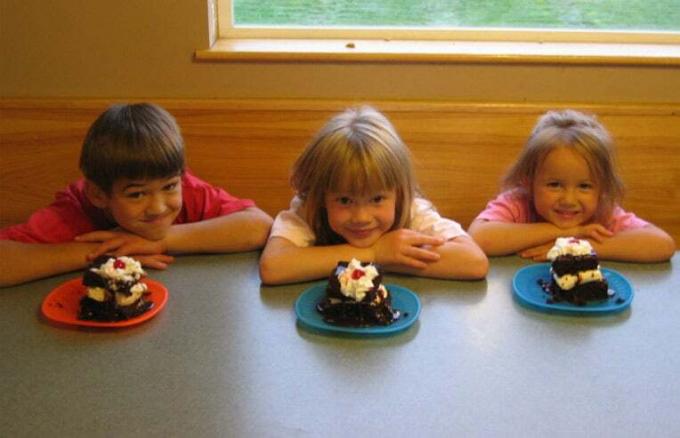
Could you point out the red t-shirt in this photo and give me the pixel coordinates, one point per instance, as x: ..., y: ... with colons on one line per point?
x: 72, y: 214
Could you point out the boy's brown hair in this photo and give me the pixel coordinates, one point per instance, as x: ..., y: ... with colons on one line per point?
x: 133, y: 141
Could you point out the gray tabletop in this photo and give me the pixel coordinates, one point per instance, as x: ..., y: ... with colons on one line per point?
x: 226, y: 358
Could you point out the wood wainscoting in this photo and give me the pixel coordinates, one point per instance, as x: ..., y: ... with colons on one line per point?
x: 460, y: 150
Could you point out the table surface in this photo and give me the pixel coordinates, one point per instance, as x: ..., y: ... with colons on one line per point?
x: 225, y: 357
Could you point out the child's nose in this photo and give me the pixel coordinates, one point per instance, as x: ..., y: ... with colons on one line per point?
x: 360, y: 214
x: 156, y: 205
x: 568, y: 197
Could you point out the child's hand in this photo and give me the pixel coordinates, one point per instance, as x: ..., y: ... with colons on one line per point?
x: 596, y: 232
x: 407, y: 248
x: 120, y: 243
x: 537, y: 253
x: 155, y: 261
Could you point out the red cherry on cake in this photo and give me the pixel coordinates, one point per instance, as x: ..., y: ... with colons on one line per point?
x: 119, y: 264
x: 357, y: 274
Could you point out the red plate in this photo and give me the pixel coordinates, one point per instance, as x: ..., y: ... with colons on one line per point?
x: 62, y: 304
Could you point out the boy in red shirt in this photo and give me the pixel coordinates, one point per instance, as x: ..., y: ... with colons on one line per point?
x: 136, y: 199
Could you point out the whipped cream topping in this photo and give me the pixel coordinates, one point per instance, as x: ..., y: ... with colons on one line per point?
x: 136, y: 293
x: 97, y: 293
x: 119, y: 269
x: 119, y: 272
x: 356, y: 280
x: 569, y: 281
x: 569, y: 246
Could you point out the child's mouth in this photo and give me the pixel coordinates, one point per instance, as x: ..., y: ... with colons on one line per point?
x: 155, y: 220
x: 361, y: 234
x: 566, y: 214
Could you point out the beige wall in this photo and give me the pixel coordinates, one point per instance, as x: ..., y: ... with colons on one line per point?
x: 144, y: 48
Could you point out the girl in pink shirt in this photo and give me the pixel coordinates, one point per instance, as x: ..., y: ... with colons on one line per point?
x: 564, y: 183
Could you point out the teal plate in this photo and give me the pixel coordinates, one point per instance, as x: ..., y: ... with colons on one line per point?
x: 403, y: 300
x: 528, y: 291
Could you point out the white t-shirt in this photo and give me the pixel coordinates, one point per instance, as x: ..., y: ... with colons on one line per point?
x: 424, y: 218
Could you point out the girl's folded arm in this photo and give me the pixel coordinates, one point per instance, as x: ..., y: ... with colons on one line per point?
x: 22, y: 262
x: 503, y: 238
x: 460, y: 258
x: 284, y: 262
x: 647, y: 244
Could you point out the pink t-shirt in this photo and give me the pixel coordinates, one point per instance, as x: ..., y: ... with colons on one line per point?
x: 512, y: 207
x: 72, y: 214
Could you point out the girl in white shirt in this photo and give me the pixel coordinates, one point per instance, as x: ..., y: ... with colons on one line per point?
x: 356, y: 197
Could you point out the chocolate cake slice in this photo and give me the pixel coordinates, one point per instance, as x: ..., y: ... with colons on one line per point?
x: 356, y: 297
x: 575, y: 272
x: 114, y: 290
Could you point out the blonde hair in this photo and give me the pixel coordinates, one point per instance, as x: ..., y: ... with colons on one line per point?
x: 358, y: 151
x: 581, y: 133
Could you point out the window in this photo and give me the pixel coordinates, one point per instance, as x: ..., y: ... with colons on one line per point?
x: 571, y: 31
x: 603, y: 20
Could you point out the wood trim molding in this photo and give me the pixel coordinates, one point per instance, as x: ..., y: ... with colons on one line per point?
x: 460, y: 149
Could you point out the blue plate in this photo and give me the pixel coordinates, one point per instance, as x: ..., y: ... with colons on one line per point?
x: 402, y: 299
x: 526, y: 287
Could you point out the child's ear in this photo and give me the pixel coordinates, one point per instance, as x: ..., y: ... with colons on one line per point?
x: 96, y: 195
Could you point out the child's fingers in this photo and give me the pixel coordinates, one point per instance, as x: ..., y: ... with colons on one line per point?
x: 423, y: 254
x: 598, y: 233
x: 105, y: 248
x: 525, y: 254
x: 156, y: 261
x: 540, y: 257
x: 424, y: 239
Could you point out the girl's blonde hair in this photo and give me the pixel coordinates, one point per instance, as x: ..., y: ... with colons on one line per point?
x: 359, y: 152
x: 583, y: 134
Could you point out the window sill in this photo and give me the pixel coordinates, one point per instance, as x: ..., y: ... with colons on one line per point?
x: 403, y: 51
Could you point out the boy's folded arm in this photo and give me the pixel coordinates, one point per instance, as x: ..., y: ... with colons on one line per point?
x: 22, y: 262
x: 244, y: 230
x: 646, y: 244
x: 497, y: 238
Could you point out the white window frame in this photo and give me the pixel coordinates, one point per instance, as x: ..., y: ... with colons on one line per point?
x: 225, y: 30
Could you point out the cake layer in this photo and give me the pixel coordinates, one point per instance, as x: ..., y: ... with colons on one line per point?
x: 92, y: 310
x: 357, y: 314
x: 581, y: 294
x: 568, y: 264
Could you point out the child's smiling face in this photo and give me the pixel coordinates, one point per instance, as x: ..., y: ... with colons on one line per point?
x: 565, y: 193
x: 361, y: 219
x: 146, y: 208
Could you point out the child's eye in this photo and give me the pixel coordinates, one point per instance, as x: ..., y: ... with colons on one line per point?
x: 134, y: 195
x: 377, y: 199
x: 553, y: 184
x: 585, y: 186
x: 344, y: 200
x: 170, y: 187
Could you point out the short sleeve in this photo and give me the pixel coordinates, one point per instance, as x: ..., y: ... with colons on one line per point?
x: 506, y: 207
x: 291, y: 226
x: 622, y: 220
x: 69, y: 215
x: 426, y: 219
x: 202, y: 201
